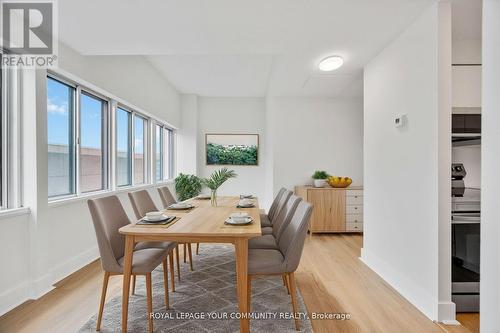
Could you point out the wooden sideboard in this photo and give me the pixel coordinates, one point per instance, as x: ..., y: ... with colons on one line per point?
x: 335, y: 209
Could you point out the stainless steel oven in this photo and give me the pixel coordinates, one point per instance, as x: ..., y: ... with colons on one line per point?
x: 465, y: 240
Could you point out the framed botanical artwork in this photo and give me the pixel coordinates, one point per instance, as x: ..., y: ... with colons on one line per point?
x: 232, y: 149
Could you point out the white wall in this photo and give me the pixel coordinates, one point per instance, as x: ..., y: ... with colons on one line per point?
x: 53, y: 241
x: 131, y: 78
x: 233, y: 115
x: 490, y: 189
x: 404, y: 168
x: 14, y: 257
x: 466, y: 51
x: 297, y: 137
x: 187, y: 136
x: 316, y: 134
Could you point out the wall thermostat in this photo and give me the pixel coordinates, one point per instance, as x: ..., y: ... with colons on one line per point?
x: 400, y: 120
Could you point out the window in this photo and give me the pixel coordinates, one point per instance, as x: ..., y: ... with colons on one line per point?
x: 3, y: 163
x: 77, y: 139
x: 158, y: 153
x: 123, y: 147
x: 169, y: 153
x: 140, y: 148
x: 164, y: 153
x: 93, y: 143
x: 10, y: 133
x: 60, y: 138
x: 80, y: 129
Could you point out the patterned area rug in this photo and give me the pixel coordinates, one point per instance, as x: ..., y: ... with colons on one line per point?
x: 209, y: 291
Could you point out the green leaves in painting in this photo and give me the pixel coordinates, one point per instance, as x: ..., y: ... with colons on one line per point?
x: 232, y: 155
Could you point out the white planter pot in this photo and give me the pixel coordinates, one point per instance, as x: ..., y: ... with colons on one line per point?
x: 319, y: 183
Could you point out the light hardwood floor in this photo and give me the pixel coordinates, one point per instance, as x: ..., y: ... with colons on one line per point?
x: 331, y: 278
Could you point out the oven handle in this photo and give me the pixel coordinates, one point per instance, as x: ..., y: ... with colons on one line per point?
x: 465, y: 222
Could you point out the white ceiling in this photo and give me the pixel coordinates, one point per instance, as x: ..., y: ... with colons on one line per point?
x: 242, y: 48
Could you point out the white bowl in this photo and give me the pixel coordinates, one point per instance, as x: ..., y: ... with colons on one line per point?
x: 239, y: 216
x: 246, y: 202
x: 153, y: 215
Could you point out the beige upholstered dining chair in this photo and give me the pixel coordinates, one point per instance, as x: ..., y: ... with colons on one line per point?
x: 271, y: 235
x: 267, y: 220
x: 284, y: 260
x: 166, y: 196
x: 272, y: 209
x: 168, y: 199
x: 109, y: 216
x: 141, y: 204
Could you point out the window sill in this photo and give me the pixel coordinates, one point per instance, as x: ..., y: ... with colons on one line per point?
x: 4, y: 214
x: 83, y: 197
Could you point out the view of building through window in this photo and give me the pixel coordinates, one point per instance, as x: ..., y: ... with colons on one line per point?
x: 158, y: 152
x: 140, y: 164
x: 60, y: 138
x: 93, y: 141
x: 123, y: 148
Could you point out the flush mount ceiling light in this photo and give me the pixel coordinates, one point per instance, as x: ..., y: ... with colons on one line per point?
x: 330, y: 63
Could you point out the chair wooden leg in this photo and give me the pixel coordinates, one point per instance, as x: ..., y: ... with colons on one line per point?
x: 293, y: 294
x: 286, y: 283
x: 190, y: 256
x: 249, y: 293
x: 178, y: 262
x: 149, y: 294
x: 165, y: 283
x: 103, y: 299
x: 133, y: 284
x: 197, y: 248
x: 172, y: 269
x: 185, y: 252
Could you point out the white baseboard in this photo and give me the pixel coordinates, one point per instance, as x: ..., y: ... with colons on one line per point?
x: 42, y: 285
x: 447, y: 313
x: 415, y: 294
x: 70, y: 266
x: 13, y: 297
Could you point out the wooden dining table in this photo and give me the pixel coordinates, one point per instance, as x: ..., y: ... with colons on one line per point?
x: 201, y: 224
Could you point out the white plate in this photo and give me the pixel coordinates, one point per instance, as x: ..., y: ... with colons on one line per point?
x: 161, y: 218
x: 180, y: 206
x: 204, y: 196
x: 248, y: 220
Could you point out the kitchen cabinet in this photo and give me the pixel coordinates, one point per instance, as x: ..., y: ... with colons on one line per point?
x: 466, y: 123
x: 466, y: 86
x: 334, y: 209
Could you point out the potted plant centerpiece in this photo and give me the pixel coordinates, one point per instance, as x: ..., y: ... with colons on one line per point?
x: 187, y: 186
x: 215, y: 181
x: 320, y: 177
